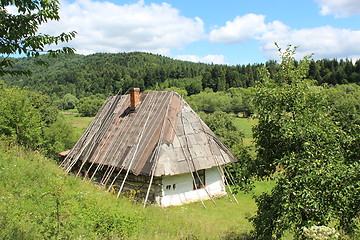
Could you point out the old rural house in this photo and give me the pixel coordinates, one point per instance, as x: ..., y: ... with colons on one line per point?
x: 152, y: 145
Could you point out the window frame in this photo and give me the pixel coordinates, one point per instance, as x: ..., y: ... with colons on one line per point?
x: 199, y: 179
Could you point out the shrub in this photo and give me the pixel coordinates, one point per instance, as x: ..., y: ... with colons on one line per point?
x: 89, y: 106
x: 29, y: 119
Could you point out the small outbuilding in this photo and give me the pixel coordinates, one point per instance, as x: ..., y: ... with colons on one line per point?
x: 154, y: 147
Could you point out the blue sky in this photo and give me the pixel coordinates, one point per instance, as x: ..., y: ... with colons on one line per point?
x: 225, y: 32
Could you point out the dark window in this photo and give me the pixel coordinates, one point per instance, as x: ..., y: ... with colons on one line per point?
x: 199, y: 177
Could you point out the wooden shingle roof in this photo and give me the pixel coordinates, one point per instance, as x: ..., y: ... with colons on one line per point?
x: 163, y: 136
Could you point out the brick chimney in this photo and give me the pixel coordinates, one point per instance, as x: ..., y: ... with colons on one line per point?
x: 134, y: 97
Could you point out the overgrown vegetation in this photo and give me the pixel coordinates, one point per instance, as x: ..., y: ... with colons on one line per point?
x: 29, y: 119
x: 39, y: 201
x: 307, y: 139
x: 306, y: 142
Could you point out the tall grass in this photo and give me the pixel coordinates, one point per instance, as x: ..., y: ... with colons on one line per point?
x: 39, y: 201
x: 224, y: 220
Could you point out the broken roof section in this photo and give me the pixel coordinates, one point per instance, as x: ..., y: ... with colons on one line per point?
x: 161, y: 136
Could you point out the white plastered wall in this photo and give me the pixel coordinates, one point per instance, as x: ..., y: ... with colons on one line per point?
x: 178, y: 189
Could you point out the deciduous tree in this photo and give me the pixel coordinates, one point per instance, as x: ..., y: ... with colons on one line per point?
x: 298, y: 138
x: 89, y: 106
x: 19, y: 31
x: 29, y: 119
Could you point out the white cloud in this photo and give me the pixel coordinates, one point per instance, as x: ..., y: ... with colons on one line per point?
x: 215, y: 59
x: 107, y: 27
x: 323, y: 42
x: 339, y: 8
x: 159, y: 28
x: 241, y: 29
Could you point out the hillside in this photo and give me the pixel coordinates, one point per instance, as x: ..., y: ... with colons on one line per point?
x: 101, y: 73
x: 109, y: 74
x: 39, y: 201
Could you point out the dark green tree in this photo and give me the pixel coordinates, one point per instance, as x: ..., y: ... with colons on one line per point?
x: 233, y: 78
x: 194, y: 87
x: 249, y: 76
x: 110, y: 74
x: 208, y: 81
x: 221, y: 82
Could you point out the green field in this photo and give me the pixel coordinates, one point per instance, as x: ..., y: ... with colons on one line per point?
x: 245, y: 125
x: 79, y: 124
x: 224, y: 220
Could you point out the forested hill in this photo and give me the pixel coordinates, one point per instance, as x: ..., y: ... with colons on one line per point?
x: 108, y: 74
x: 102, y: 73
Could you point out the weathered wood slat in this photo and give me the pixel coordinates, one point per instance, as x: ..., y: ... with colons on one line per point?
x: 111, y: 138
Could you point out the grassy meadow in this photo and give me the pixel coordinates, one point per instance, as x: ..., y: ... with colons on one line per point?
x: 225, y: 220
x: 245, y: 125
x: 39, y: 201
x: 78, y: 123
